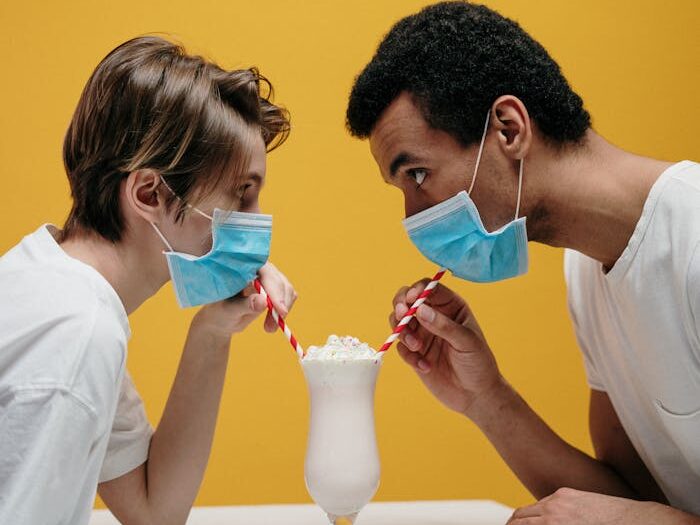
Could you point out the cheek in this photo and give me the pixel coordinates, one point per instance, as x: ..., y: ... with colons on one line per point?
x: 194, y: 236
x: 251, y: 205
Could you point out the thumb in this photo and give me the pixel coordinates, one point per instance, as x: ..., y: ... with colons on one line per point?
x: 437, y: 323
x: 257, y: 303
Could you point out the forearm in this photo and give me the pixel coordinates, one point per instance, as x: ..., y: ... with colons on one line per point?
x: 181, y: 445
x: 665, y: 515
x: 539, y: 458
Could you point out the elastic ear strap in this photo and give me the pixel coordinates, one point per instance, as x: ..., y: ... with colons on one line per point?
x: 520, y: 187
x: 481, y: 150
x: 169, y: 188
x: 162, y: 237
x: 201, y: 212
x: 188, y: 204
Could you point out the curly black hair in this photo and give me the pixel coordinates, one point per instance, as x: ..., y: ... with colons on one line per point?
x: 456, y: 59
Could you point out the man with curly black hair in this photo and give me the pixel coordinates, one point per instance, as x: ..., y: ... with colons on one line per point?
x: 458, y: 87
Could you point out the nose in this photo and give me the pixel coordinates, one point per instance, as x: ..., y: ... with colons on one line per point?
x: 413, y: 205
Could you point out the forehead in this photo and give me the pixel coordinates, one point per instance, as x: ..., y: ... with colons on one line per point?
x: 402, y: 130
x: 400, y: 124
x: 258, y: 156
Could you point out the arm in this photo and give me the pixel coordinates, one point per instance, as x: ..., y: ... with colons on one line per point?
x: 164, y: 488
x: 542, y: 460
x: 574, y: 507
x: 445, y: 345
x: 613, y: 448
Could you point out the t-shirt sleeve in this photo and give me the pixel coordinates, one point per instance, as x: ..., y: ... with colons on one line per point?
x: 45, y: 433
x: 130, y: 437
x: 572, y: 273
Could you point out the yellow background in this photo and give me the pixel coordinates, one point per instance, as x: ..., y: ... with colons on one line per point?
x: 337, y: 226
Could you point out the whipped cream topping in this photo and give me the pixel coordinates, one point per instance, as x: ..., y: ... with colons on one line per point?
x: 341, y: 349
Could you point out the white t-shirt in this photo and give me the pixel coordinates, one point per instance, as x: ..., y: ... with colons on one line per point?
x: 638, y: 327
x: 69, y: 413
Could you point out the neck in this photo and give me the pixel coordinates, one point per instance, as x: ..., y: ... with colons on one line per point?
x: 127, y: 267
x: 591, y: 197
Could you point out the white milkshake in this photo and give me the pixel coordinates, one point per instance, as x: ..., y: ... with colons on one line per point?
x: 342, y: 462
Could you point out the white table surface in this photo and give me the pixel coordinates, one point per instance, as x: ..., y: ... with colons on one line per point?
x: 466, y: 512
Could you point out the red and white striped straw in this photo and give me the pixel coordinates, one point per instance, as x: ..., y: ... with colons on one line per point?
x: 412, y: 310
x: 279, y: 319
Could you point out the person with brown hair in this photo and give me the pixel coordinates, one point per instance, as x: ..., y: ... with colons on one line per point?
x: 161, y: 143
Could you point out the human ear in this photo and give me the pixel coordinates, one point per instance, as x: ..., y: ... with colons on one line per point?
x: 144, y: 194
x: 512, y: 122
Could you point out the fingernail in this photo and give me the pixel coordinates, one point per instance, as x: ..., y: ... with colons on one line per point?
x: 425, y: 313
x: 411, y: 341
x: 423, y: 365
x: 400, y: 311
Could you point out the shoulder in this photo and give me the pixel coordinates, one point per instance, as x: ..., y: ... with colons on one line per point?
x: 681, y: 194
x: 58, y: 325
x: 41, y: 284
x: 578, y: 266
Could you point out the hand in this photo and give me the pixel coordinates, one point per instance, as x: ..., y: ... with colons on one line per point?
x: 280, y: 291
x: 225, y: 318
x: 574, y: 507
x: 445, y: 345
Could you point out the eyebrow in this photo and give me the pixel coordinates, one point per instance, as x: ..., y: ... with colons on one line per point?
x: 257, y: 177
x: 400, y: 160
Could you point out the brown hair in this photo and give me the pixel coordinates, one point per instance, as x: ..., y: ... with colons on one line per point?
x: 149, y: 104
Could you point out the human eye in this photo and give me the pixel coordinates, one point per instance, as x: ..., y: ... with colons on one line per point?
x: 417, y: 174
x: 241, y: 192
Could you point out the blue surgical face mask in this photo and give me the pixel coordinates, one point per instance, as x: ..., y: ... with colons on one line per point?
x: 452, y: 235
x: 240, y: 247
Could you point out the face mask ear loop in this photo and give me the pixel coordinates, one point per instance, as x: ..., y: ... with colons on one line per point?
x: 520, y: 188
x: 162, y: 237
x: 201, y: 212
x: 481, y: 150
x: 188, y: 205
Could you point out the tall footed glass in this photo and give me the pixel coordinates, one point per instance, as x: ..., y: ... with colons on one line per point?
x: 342, y: 462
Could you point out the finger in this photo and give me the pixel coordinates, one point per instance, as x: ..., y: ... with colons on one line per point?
x: 248, y: 290
x: 275, y: 291
x: 392, y: 320
x: 421, y: 340
x: 527, y: 512
x: 399, y: 302
x: 410, y: 297
x: 415, y: 290
x: 397, y: 314
x: 257, y: 303
x: 270, y: 325
x: 278, y: 304
x: 413, y: 359
x: 535, y: 520
x: 291, y: 296
x: 441, y: 297
x: 244, y: 307
x: 408, y: 337
x: 400, y: 296
x: 400, y: 310
x: 409, y: 357
x: 437, y: 323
